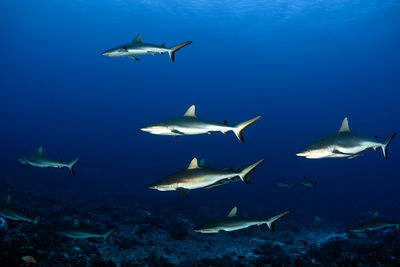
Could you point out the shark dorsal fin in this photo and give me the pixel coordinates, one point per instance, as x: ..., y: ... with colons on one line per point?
x: 202, y: 163
x: 233, y: 212
x: 191, y: 112
x: 40, y: 151
x: 9, y: 200
x: 193, y: 164
x: 138, y: 38
x: 375, y: 215
x: 75, y: 223
x: 345, y: 126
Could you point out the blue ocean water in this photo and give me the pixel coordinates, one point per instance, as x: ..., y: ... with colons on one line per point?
x: 302, y: 65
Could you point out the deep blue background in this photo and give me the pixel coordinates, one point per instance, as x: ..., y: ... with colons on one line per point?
x: 302, y: 65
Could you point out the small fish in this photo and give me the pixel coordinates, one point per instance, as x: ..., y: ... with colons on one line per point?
x: 29, y: 259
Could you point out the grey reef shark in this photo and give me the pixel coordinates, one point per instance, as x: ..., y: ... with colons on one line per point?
x: 8, y: 211
x: 41, y: 161
x: 234, y: 222
x: 373, y: 223
x: 198, y: 176
x: 137, y: 47
x: 76, y: 231
x: 190, y: 124
x: 344, y: 144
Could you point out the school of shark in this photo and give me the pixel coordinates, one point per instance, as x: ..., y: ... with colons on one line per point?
x: 196, y: 175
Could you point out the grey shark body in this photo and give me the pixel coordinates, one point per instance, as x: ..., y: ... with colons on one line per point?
x: 41, y: 161
x: 307, y: 182
x: 75, y: 231
x: 284, y: 184
x: 344, y: 144
x: 196, y: 176
x: 234, y: 222
x: 189, y: 124
x: 8, y: 211
x: 373, y: 223
x: 137, y: 47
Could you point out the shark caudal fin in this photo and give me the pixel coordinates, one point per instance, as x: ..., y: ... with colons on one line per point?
x: 241, y: 126
x: 108, y: 234
x: 385, y: 145
x: 72, y: 164
x: 36, y: 220
x: 270, y: 222
x: 245, y: 172
x: 173, y: 49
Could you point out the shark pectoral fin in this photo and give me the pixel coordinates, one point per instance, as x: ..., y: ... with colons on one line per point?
x: 183, y: 191
x: 175, y: 131
x: 355, y: 156
x: 135, y: 58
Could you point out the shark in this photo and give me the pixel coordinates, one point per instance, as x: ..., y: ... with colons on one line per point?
x: 190, y: 124
x: 41, y: 161
x: 198, y: 176
x: 307, y: 182
x: 137, y: 47
x: 75, y: 231
x: 284, y: 184
x: 234, y: 222
x: 8, y: 210
x: 344, y: 144
x: 373, y: 223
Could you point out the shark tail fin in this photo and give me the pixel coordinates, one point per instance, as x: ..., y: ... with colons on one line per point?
x: 386, y: 143
x: 245, y: 172
x: 36, y: 220
x: 173, y: 49
x: 241, y: 126
x: 72, y: 164
x: 108, y: 234
x: 270, y: 222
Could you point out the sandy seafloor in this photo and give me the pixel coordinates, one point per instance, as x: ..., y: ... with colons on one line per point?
x: 146, y: 236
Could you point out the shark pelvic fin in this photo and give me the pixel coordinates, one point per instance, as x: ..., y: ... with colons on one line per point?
x: 191, y: 112
x: 193, y: 164
x: 138, y: 38
x: 375, y: 215
x: 9, y: 200
x: 40, y: 151
x: 233, y: 212
x: 345, y: 126
x: 75, y: 223
x: 183, y: 191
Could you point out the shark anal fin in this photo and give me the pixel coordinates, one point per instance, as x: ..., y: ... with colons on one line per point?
x: 183, y: 191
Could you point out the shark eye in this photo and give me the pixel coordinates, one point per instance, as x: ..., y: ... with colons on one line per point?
x: 125, y: 48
